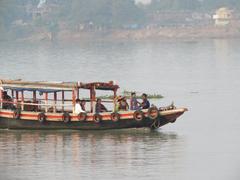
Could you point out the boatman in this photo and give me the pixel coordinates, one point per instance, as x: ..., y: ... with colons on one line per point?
x: 134, y: 104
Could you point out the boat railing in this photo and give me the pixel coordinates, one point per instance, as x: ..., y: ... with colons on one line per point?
x: 33, y: 104
x: 35, y: 107
x: 42, y: 105
x: 68, y: 100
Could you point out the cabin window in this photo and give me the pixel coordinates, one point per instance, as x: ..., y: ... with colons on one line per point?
x: 107, y: 98
x: 85, y: 94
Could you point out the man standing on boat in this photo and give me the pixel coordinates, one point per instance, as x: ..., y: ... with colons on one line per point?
x: 134, y: 104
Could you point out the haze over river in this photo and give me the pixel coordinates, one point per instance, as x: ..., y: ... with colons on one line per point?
x: 203, y: 144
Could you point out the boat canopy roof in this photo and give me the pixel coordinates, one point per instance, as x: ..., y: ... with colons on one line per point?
x: 99, y: 85
x: 44, y: 86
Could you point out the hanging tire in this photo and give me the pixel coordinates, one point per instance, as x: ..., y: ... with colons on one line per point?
x: 17, y: 113
x: 66, y: 117
x: 138, y: 116
x: 82, y: 116
x: 97, y: 118
x: 42, y: 117
x: 153, y: 113
x: 115, y: 117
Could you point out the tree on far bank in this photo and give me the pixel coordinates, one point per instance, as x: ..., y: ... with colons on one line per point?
x: 106, y: 13
x: 9, y: 12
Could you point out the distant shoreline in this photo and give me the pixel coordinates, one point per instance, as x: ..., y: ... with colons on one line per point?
x: 156, y: 34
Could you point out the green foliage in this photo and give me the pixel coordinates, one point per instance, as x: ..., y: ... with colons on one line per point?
x: 150, y: 96
x: 52, y: 26
x: 98, y: 13
x: 198, y: 5
x: 4, y: 16
x: 9, y: 12
x: 169, y: 5
x: 107, y: 13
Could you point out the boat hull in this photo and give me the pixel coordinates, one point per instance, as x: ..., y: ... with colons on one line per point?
x: 8, y: 123
x: 32, y: 123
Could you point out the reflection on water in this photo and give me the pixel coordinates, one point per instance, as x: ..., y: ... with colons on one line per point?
x: 201, y: 75
x: 106, y: 154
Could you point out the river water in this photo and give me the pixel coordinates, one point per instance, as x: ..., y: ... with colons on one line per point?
x: 201, y: 75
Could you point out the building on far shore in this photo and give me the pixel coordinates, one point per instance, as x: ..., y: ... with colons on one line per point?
x: 223, y: 16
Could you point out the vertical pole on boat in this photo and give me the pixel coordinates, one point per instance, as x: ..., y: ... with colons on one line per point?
x: 1, y: 94
x: 91, y: 100
x: 46, y: 101
x: 78, y: 93
x: 55, y: 102
x: 92, y: 97
x: 22, y: 100
x: 114, y: 99
x: 17, y: 98
x: 73, y: 100
x: 12, y: 91
x: 115, y: 93
x: 62, y: 100
x: 34, y: 96
x: 35, y: 100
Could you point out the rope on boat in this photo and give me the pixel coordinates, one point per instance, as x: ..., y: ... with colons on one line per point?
x: 156, y: 124
x: 34, y: 104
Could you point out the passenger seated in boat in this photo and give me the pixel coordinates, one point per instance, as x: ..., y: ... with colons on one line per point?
x: 8, y: 104
x: 82, y: 104
x: 122, y: 104
x: 78, y: 108
x: 100, y: 107
x: 145, y: 103
x: 50, y: 109
x: 30, y: 107
x: 134, y: 104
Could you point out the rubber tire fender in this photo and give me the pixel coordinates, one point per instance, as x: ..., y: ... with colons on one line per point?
x: 66, y: 117
x: 42, y: 117
x: 138, y: 115
x: 153, y: 113
x: 115, y: 117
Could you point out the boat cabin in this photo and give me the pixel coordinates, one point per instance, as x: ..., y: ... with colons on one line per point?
x: 56, y: 97
x: 51, y: 105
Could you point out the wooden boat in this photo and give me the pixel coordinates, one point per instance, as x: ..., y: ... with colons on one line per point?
x: 51, y: 105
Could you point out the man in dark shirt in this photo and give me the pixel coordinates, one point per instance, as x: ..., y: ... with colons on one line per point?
x: 7, y: 104
x: 100, y: 107
x: 145, y: 104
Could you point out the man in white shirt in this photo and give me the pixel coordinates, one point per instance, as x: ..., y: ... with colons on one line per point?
x: 78, y: 108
